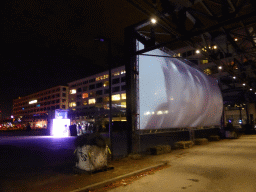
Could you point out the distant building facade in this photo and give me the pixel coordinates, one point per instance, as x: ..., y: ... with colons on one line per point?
x: 89, y: 98
x: 34, y: 108
x: 86, y: 99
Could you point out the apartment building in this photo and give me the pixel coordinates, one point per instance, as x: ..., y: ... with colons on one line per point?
x: 89, y: 97
x: 34, y: 108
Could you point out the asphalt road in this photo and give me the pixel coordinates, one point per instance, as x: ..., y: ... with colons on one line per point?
x: 224, y: 166
x: 26, y: 154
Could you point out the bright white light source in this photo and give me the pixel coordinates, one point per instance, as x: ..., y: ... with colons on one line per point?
x: 220, y: 67
x: 147, y: 113
x: 197, y: 51
x: 153, y: 20
x: 251, y: 89
x: 159, y: 112
x: 60, y: 127
x: 234, y: 77
x: 235, y: 39
x: 215, y: 47
x: 243, y: 84
x: 73, y: 91
x: 32, y: 102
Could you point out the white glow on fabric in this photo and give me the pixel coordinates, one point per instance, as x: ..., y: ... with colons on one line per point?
x: 175, y: 95
x: 60, y: 127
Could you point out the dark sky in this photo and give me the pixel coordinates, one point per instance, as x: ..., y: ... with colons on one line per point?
x: 50, y: 43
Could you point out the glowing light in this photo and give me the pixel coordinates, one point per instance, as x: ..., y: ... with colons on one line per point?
x: 197, y: 51
x: 73, y: 91
x: 92, y: 101
x: 244, y: 84
x: 123, y: 95
x: 215, y: 47
x: 116, y: 97
x: 32, y: 102
x: 147, y: 113
x: 251, y: 89
x: 234, y: 77
x: 85, y: 95
x: 153, y: 20
x: 159, y: 112
x: 220, y: 67
x: 60, y: 127
x: 235, y: 39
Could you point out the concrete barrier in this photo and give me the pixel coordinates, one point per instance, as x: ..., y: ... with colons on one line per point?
x: 183, y: 144
x: 160, y: 149
x: 201, y: 141
x: 214, y: 138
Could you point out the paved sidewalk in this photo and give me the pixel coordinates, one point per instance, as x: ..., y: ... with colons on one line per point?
x: 65, y: 179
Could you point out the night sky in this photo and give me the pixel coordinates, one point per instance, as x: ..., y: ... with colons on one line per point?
x: 50, y: 43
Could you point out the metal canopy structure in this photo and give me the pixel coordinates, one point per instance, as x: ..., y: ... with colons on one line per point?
x: 229, y: 24
x: 199, y: 24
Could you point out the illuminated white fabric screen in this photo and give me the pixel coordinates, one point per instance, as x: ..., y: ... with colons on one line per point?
x: 173, y: 94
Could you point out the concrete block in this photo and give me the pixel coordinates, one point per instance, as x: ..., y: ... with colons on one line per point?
x: 160, y: 149
x: 201, y: 141
x: 214, y: 138
x: 183, y: 144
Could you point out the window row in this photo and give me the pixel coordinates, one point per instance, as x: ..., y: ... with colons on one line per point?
x: 45, y: 109
x: 97, y: 85
x: 116, y: 97
x: 98, y: 92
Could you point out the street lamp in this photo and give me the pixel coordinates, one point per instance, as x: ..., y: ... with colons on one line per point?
x: 108, y: 40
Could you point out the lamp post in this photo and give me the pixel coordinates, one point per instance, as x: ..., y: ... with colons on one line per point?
x: 108, y: 40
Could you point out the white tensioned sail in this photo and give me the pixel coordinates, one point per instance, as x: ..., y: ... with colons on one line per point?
x: 176, y: 95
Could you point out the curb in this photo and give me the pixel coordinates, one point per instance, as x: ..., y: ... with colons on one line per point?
x: 109, y: 181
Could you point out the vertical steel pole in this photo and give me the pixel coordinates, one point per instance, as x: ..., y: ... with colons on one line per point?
x: 110, y: 95
x: 131, y: 95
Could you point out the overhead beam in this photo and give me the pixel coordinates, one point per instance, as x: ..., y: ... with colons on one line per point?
x: 199, y: 32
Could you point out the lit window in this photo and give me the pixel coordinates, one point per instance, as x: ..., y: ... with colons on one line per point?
x: 105, y: 99
x: 106, y: 106
x: 123, y: 104
x: 106, y: 83
x: 73, y: 91
x: 123, y: 96
x: 123, y: 72
x: 92, y: 101
x: 208, y: 71
x: 205, y: 61
x: 105, y: 76
x: 32, y: 102
x: 72, y: 104
x: 85, y: 103
x: 116, y: 97
x: 116, y: 73
x: 85, y: 95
